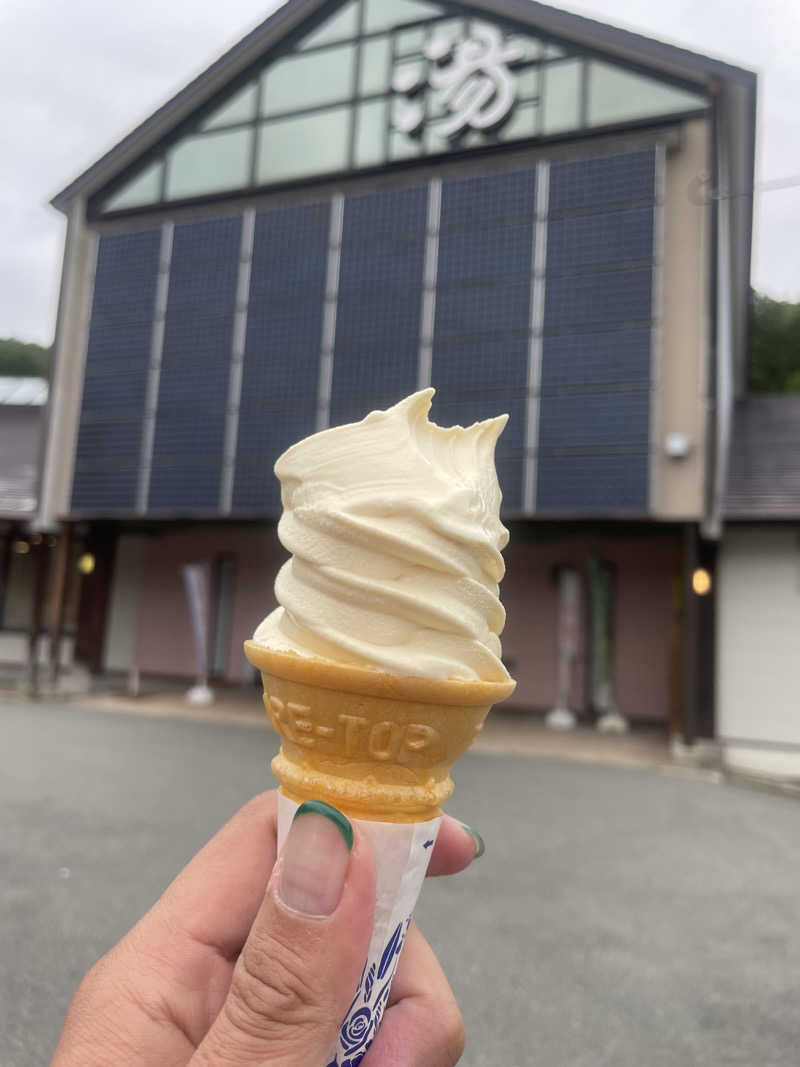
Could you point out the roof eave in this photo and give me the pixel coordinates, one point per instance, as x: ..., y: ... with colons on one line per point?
x: 747, y: 515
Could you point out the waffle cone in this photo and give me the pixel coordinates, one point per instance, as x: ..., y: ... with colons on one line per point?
x: 376, y: 745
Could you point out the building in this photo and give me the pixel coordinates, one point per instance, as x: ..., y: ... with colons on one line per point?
x: 22, y: 402
x: 530, y: 210
x: 759, y: 592
x: 22, y: 553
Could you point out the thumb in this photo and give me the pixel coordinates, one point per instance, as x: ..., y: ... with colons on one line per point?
x: 295, y: 977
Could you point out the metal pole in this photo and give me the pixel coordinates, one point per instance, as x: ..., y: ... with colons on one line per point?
x: 59, y: 597
x: 5, y: 570
x: 41, y: 557
x: 691, y: 635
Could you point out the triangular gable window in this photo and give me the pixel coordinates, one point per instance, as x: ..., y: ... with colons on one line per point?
x: 387, y: 80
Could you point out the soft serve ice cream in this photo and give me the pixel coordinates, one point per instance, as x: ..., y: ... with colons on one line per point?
x: 393, y: 525
x: 383, y: 658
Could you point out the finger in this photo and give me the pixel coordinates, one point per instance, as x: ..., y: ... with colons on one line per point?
x: 457, y: 845
x: 422, y: 1026
x: 296, y: 974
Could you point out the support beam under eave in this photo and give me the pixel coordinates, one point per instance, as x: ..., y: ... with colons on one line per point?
x: 699, y: 582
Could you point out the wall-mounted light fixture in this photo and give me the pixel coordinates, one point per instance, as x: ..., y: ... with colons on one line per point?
x: 677, y: 445
x: 86, y: 563
x: 701, y: 581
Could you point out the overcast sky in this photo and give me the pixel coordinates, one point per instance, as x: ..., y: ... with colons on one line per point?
x: 76, y: 76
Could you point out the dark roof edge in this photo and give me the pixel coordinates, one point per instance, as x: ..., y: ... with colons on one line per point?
x: 771, y: 397
x: 738, y: 517
x: 563, y: 23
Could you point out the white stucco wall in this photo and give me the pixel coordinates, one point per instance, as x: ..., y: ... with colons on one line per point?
x: 17, y: 618
x: 14, y: 649
x: 758, y: 650
x: 123, y: 612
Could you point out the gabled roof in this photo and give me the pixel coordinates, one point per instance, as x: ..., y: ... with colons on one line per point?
x: 734, y: 85
x: 764, y: 478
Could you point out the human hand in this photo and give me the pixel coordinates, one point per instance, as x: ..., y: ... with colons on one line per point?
x: 220, y: 972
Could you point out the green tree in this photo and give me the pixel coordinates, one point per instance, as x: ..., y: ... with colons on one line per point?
x: 22, y: 359
x: 774, y: 354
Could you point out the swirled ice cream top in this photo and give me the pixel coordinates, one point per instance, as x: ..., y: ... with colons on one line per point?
x: 394, y: 528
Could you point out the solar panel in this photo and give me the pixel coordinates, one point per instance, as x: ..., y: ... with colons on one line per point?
x: 380, y: 296
x: 594, y: 410
x: 195, y: 366
x: 115, y: 379
x: 483, y: 294
x: 282, y: 350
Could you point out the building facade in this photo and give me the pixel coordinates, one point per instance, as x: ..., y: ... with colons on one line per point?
x: 531, y: 211
x: 758, y: 725
x: 22, y: 405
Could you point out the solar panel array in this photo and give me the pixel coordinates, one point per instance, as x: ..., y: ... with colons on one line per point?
x: 483, y: 296
x: 366, y: 265
x: 380, y: 300
x: 282, y: 349
x: 115, y: 380
x: 594, y: 410
x: 195, y: 361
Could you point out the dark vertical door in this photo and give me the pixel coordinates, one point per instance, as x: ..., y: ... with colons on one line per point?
x: 677, y: 656
x: 94, y: 600
x: 699, y: 556
x: 601, y: 609
x: 222, y: 613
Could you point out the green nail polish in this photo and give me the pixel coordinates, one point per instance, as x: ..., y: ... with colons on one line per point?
x: 319, y: 807
x: 479, y: 842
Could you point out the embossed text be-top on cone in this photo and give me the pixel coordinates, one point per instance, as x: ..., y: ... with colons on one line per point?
x: 375, y: 745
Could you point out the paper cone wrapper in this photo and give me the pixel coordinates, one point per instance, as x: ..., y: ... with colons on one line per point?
x: 380, y: 748
x: 401, y: 853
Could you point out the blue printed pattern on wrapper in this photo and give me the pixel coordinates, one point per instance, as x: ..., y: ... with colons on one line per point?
x: 401, y: 852
x: 366, y: 1011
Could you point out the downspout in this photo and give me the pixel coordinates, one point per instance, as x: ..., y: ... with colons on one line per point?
x: 57, y: 411
x: 712, y: 524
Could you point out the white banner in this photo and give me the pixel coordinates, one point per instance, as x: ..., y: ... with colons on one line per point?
x: 196, y: 580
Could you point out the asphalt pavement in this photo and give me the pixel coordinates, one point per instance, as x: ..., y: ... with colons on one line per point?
x: 620, y: 918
